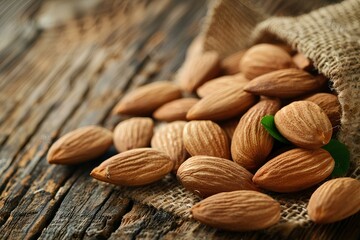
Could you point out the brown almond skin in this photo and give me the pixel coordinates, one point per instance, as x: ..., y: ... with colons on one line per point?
x: 230, y: 64
x: 206, y: 138
x: 169, y: 139
x: 175, y: 110
x: 302, y: 62
x: 229, y: 127
x: 304, y: 124
x: 80, y: 145
x: 214, y: 85
x: 197, y: 69
x: 329, y: 103
x: 251, y: 143
x: 146, y: 99
x: 133, y: 133
x: 335, y: 200
x: 285, y: 83
x: 206, y: 176
x: 295, y: 170
x: 238, y: 211
x: 223, y: 104
x: 135, y: 167
x: 264, y: 58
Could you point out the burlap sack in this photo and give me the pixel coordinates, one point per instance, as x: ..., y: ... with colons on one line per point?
x: 329, y: 36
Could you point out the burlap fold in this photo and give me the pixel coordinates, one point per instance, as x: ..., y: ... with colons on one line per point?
x: 329, y: 36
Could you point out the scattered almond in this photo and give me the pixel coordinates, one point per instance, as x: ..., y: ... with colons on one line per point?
x: 133, y: 133
x: 206, y: 138
x: 238, y: 211
x: 80, y: 145
x: 135, y: 167
x: 335, y: 200
x: 295, y: 170
x: 304, y: 124
x: 206, y: 176
x: 145, y: 99
x: 175, y: 110
x: 251, y: 143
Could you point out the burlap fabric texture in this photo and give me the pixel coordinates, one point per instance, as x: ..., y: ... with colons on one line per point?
x: 329, y: 36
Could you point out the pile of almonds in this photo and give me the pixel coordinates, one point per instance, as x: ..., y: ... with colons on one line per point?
x: 214, y: 140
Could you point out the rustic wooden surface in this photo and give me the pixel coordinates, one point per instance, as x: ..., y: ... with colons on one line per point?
x: 56, y: 78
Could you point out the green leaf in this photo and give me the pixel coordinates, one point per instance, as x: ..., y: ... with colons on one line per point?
x: 269, y: 124
x: 341, y: 155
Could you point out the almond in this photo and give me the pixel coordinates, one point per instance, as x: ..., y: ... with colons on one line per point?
x: 304, y: 124
x: 302, y: 62
x: 206, y: 138
x: 169, y: 139
x: 214, y: 85
x: 175, y: 110
x: 230, y: 65
x: 286, y: 83
x: 135, y: 167
x: 198, y: 69
x: 295, y: 170
x: 264, y: 58
x: 133, y: 133
x: 329, y: 103
x: 145, y: 99
x: 229, y: 127
x: 251, y: 143
x: 196, y: 47
x: 335, y: 200
x: 80, y: 145
x: 223, y: 104
x: 205, y: 176
x: 238, y: 211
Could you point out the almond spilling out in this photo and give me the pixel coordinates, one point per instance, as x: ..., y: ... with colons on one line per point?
x: 169, y: 139
x: 295, y: 170
x: 198, y: 69
x: 223, y: 104
x: 206, y: 176
x: 285, y: 83
x: 135, y: 167
x: 264, y: 58
x: 251, y: 143
x: 133, y: 133
x: 230, y: 65
x: 206, y: 138
x: 335, y: 200
x: 304, y: 124
x: 214, y: 85
x: 146, y: 99
x: 238, y: 211
x: 80, y: 145
x: 175, y: 110
x: 329, y: 103
x: 302, y: 62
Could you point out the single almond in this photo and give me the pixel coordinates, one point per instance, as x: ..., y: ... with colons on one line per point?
x: 285, y: 83
x: 251, y: 143
x: 80, y: 145
x: 264, y: 58
x: 302, y: 62
x: 329, y: 103
x: 206, y: 176
x: 206, y: 138
x: 145, y: 99
x: 230, y: 64
x: 238, y: 211
x: 133, y: 133
x: 335, y: 200
x: 198, y: 69
x: 229, y: 127
x: 175, y: 110
x: 196, y: 47
x: 295, y: 170
x: 135, y: 167
x: 304, y: 124
x: 169, y: 139
x: 223, y: 104
x: 214, y: 85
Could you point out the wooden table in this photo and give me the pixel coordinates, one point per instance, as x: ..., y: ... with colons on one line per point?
x: 57, y: 76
